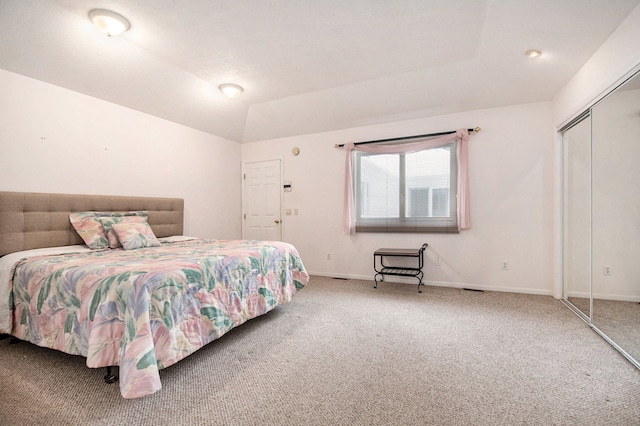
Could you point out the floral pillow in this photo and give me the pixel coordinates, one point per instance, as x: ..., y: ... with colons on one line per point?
x: 135, y: 235
x: 111, y: 219
x: 89, y: 229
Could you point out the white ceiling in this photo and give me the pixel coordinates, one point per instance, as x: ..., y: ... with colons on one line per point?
x: 307, y: 65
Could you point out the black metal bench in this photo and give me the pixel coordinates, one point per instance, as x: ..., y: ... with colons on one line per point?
x: 401, y: 271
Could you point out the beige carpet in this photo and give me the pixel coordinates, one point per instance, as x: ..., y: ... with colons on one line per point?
x: 345, y: 353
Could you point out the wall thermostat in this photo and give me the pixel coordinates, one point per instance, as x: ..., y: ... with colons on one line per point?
x: 287, y: 187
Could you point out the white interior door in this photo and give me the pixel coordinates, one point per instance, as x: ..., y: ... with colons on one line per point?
x: 262, y: 201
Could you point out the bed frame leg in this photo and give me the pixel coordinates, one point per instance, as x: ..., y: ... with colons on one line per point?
x: 12, y: 340
x: 110, y: 377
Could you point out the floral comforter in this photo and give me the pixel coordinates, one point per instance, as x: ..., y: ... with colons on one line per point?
x: 146, y: 309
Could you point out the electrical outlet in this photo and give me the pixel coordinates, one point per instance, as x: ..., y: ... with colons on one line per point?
x: 438, y: 262
x: 606, y: 270
x: 328, y: 256
x: 505, y: 266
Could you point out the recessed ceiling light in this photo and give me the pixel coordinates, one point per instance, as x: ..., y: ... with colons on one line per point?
x: 533, y: 53
x: 231, y: 90
x: 109, y: 22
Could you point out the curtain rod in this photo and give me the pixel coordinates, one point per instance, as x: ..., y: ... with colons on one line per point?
x: 477, y: 129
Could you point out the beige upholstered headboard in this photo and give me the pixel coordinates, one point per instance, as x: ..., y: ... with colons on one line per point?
x: 31, y: 220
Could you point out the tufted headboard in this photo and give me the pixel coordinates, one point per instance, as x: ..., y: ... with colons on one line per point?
x: 31, y: 220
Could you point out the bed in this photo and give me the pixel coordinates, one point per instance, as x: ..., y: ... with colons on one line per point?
x: 141, y: 307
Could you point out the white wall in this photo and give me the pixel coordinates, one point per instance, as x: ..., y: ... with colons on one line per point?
x: 617, y: 57
x: 56, y: 140
x: 511, y: 186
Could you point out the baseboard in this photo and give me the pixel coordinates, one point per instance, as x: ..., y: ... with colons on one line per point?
x: 484, y: 287
x: 579, y: 294
x: 616, y: 297
x: 470, y: 286
x: 605, y: 296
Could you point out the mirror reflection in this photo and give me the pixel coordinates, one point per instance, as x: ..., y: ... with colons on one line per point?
x: 616, y: 217
x: 577, y: 215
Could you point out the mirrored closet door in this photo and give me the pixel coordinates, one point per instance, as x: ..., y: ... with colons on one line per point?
x: 601, y: 218
x: 576, y: 142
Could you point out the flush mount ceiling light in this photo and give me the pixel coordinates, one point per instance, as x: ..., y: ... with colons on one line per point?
x: 109, y: 22
x: 533, y: 53
x: 231, y: 90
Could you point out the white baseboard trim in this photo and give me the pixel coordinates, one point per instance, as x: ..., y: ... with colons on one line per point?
x: 342, y: 276
x: 579, y: 294
x: 483, y: 287
x: 604, y: 296
x: 439, y: 283
x: 616, y: 297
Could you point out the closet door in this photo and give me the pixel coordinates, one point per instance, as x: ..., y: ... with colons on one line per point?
x: 616, y: 218
x: 577, y: 216
x: 601, y: 152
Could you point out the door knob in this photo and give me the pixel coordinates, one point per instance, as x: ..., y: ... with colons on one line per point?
x: 277, y: 221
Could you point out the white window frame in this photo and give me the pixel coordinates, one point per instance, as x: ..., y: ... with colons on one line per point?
x: 405, y: 223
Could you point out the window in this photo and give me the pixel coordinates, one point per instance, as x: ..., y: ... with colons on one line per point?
x: 441, y: 202
x: 419, y: 202
x: 412, y: 192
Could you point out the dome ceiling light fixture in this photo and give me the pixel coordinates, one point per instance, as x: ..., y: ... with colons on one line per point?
x: 110, y: 23
x: 533, y: 53
x: 231, y: 90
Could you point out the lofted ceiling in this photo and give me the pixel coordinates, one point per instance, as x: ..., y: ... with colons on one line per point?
x: 307, y: 65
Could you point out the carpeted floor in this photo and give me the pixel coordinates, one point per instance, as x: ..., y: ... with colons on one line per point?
x: 345, y: 353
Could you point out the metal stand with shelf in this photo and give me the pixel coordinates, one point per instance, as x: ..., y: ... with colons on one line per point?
x: 401, y: 271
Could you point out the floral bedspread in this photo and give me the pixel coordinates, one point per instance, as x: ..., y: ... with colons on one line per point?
x: 146, y: 309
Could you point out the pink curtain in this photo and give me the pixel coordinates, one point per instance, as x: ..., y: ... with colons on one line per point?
x: 462, y: 136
